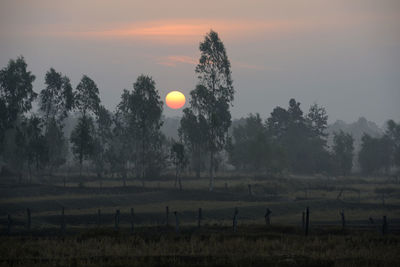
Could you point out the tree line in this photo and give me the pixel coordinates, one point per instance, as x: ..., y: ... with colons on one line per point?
x: 128, y: 141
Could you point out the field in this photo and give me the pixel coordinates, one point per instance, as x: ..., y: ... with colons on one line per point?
x: 92, y: 240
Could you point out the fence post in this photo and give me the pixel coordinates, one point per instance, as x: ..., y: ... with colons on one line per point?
x: 116, y: 226
x: 303, y: 220
x: 307, y: 221
x: 63, y: 219
x: 167, y: 215
x: 132, y: 222
x: 199, y: 218
x: 343, y: 219
x: 9, y: 224
x: 384, y: 225
x: 98, y: 218
x: 235, y: 219
x: 28, y: 219
x: 267, y: 218
x: 250, y: 192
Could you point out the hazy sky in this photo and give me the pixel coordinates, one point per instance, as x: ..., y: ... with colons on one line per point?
x: 342, y: 54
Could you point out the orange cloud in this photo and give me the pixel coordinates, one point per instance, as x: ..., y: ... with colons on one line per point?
x: 172, y: 61
x: 182, y: 30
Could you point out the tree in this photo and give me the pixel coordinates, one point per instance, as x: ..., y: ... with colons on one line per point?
x: 178, y: 157
x: 393, y: 134
x: 87, y: 96
x: 292, y: 132
x: 102, y: 139
x: 87, y: 102
x: 56, y: 100
x: 16, y: 94
x: 193, y: 132
x: 82, y: 140
x: 343, y: 151
x: 140, y: 113
x: 214, y: 94
x: 375, y: 154
x: 32, y: 143
x: 251, y: 148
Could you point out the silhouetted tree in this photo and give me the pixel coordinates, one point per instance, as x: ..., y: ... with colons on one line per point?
x: 102, y: 139
x: 343, y: 150
x: 214, y: 94
x: 179, y: 160
x: 140, y: 117
x: 393, y: 134
x: 193, y: 132
x: 16, y: 94
x: 82, y: 139
x: 87, y: 102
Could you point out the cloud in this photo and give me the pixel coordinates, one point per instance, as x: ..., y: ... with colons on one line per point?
x: 173, y: 61
x: 178, y: 30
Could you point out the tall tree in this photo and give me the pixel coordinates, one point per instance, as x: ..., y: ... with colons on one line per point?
x: 16, y: 94
x: 102, y: 139
x: 141, y: 112
x: 87, y: 102
x: 56, y: 100
x: 214, y: 94
x: 343, y: 150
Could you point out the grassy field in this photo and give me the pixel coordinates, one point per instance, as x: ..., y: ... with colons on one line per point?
x: 85, y: 243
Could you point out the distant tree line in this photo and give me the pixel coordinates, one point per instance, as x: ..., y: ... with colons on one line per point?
x: 128, y: 141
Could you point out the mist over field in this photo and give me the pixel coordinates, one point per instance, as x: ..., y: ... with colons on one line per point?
x: 212, y: 133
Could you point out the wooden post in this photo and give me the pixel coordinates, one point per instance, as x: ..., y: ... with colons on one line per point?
x: 63, y: 220
x: 98, y: 217
x: 9, y: 224
x: 176, y: 222
x: 250, y: 192
x: 28, y: 219
x: 384, y: 225
x: 303, y: 221
x: 199, y: 218
x: 167, y: 215
x: 116, y: 226
x: 343, y: 219
x: 235, y: 219
x: 307, y: 221
x: 267, y: 218
x: 132, y: 222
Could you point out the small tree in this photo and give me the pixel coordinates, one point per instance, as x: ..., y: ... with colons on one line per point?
x: 82, y: 139
x: 179, y: 160
x: 343, y: 150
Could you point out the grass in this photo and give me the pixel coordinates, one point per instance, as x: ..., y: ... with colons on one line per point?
x: 283, y: 244
x: 214, y: 246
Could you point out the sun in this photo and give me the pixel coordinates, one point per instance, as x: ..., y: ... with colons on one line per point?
x: 175, y: 99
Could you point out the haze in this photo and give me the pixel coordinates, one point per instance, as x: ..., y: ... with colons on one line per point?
x: 344, y: 55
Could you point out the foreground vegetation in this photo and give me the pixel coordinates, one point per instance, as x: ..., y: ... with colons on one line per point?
x: 87, y: 243
x: 211, y: 246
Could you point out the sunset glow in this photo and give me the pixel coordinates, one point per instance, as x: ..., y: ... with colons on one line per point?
x: 175, y: 100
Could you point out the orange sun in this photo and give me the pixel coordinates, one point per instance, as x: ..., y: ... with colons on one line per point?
x: 175, y: 99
